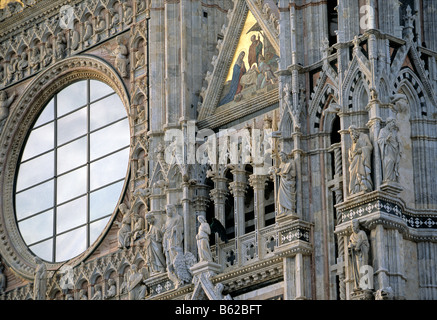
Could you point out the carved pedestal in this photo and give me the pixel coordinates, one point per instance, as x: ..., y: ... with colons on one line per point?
x: 203, y: 285
x: 295, y: 248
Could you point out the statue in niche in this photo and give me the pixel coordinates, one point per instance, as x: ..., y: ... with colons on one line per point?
x: 121, y: 60
x: 98, y: 294
x: 141, y: 171
x: 128, y: 14
x: 125, y: 227
x: 360, y: 162
x: 22, y: 65
x: 5, y: 103
x: 40, y: 280
x: 358, y: 251
x: 10, y: 69
x: 47, y: 55
x: 61, y: 45
x: 124, y: 284
x: 139, y: 59
x: 115, y: 20
x: 2, y: 279
x: 138, y: 228
x: 69, y: 296
x: 202, y: 238
x: 100, y: 24
x: 87, y: 37
x: 390, y: 147
x: 75, y: 39
x: 34, y: 59
x: 112, y: 290
x: 287, y: 185
x: 83, y: 295
x: 136, y: 289
x: 141, y: 5
x: 155, y: 258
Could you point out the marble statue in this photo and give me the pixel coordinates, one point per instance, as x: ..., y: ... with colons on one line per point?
x: 34, y: 59
x: 125, y: 227
x: 98, y: 294
x: 127, y: 12
x: 390, y: 147
x: 155, y: 258
x: 178, y: 263
x: 360, y: 162
x: 202, y: 238
x: 287, y: 185
x: 121, y: 60
x: 88, y: 33
x: 75, y: 40
x: 83, y: 295
x: 40, y: 280
x: 136, y: 289
x: 112, y: 290
x: 22, y: 65
x: 358, y: 251
x: 173, y: 234
x: 137, y: 228
x: 5, y: 103
x: 61, y: 45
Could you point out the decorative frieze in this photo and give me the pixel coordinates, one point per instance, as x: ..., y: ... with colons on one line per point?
x: 377, y: 204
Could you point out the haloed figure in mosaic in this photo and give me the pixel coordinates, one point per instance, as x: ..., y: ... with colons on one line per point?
x: 360, y: 162
x: 235, y: 86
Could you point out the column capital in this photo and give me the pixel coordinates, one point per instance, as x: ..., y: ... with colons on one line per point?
x: 257, y: 181
x: 238, y: 188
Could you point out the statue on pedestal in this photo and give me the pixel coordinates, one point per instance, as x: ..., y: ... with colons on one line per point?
x: 358, y: 252
x: 287, y: 186
x: 390, y: 147
x: 360, y: 161
x: 202, y: 238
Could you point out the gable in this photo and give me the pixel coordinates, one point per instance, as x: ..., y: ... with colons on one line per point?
x: 245, y: 68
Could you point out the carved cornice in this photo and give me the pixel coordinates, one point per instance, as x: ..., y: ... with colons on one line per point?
x: 34, y: 97
x: 379, y: 208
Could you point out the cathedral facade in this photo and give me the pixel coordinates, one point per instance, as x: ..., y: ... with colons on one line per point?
x: 218, y: 150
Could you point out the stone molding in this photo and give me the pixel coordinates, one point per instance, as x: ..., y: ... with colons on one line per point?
x: 378, y: 207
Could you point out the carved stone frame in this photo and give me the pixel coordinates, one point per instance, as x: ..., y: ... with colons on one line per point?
x: 23, y: 113
x: 209, y: 115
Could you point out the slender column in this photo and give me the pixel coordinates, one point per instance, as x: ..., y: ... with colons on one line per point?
x: 258, y: 183
x: 218, y: 195
x: 238, y: 189
x: 189, y: 238
x: 289, y: 278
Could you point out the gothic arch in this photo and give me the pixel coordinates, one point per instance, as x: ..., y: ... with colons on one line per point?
x: 317, y: 106
x: 408, y: 78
